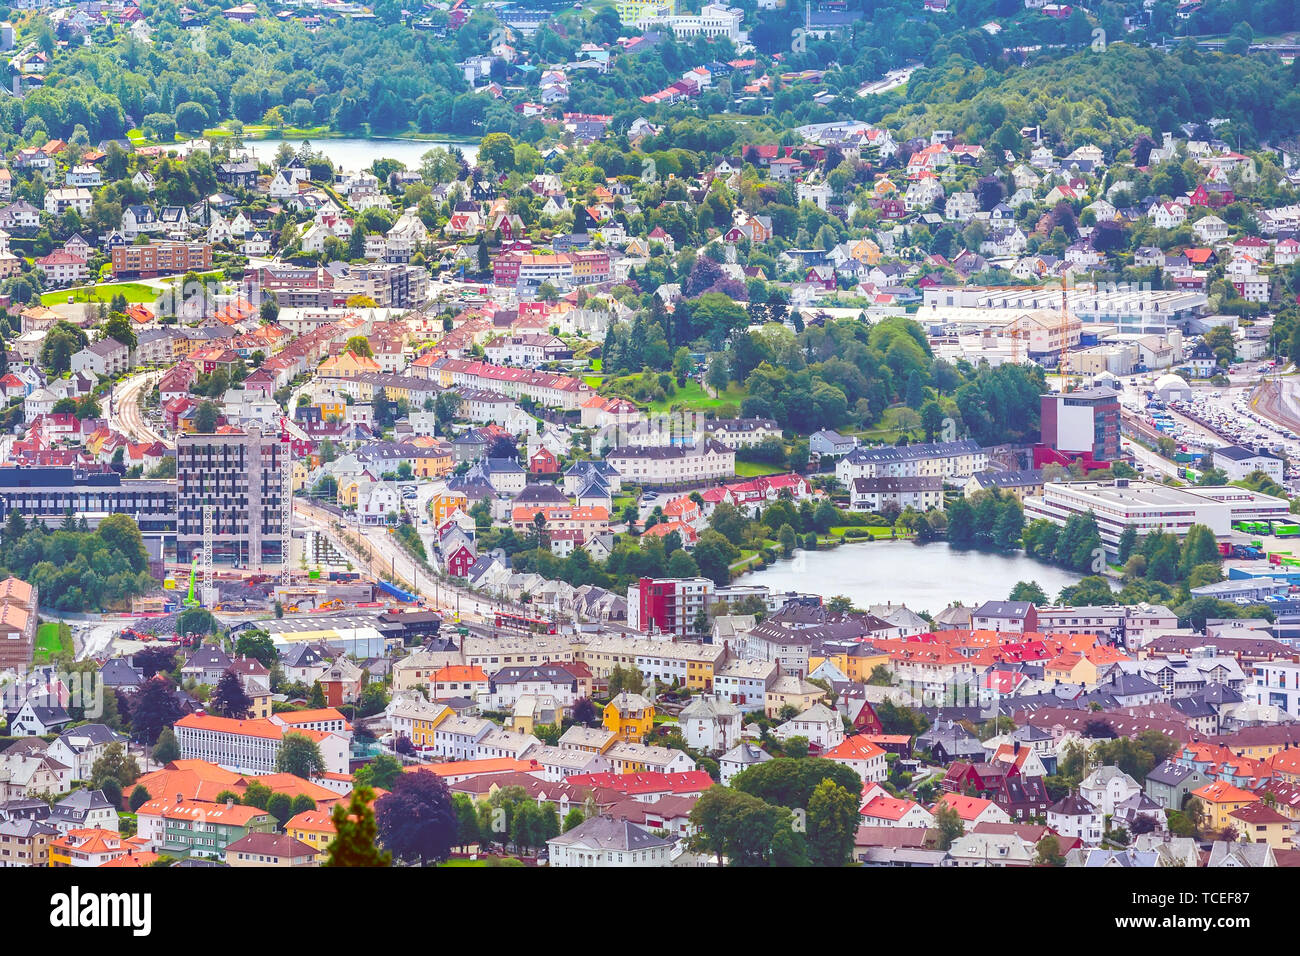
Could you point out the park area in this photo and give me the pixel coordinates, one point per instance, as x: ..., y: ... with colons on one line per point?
x: 52, y: 637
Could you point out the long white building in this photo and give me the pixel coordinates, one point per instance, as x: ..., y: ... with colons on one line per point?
x: 700, y: 464
x: 1148, y: 507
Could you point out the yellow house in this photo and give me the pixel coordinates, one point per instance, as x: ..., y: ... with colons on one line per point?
x: 855, y: 668
x: 791, y: 690
x: 432, y: 462
x: 1071, y: 669
x: 314, y: 828
x: 422, y: 728
x: 1259, y: 823
x: 299, y: 474
x: 630, y: 716
x: 348, y: 365
x: 330, y: 410
x: 347, y: 494
x: 444, y: 504
x: 865, y: 251
x: 1221, y: 800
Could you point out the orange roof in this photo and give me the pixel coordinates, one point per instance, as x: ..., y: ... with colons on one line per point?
x: 259, y: 727
x: 132, y: 858
x: 889, y: 808
x: 195, y: 779
x: 320, y: 714
x: 968, y: 808
x: 91, y: 840
x: 235, y: 814
x: 467, y: 768
x: 1285, y: 761
x: 316, y: 821
x: 858, y: 747
x: 1220, y: 792
x: 460, y: 672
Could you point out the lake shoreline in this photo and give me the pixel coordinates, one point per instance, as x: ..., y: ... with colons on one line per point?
x: 925, y: 577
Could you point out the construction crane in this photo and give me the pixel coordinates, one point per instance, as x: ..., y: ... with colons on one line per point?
x: 1065, y: 333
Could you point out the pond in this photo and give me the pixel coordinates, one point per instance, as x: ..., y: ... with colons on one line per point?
x: 925, y: 577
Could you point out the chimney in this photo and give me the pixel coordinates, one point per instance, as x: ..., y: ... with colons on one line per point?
x: 179, y: 797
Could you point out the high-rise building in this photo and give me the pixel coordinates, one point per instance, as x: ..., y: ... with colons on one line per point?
x: 238, y: 473
x: 667, y: 605
x: 1082, y: 424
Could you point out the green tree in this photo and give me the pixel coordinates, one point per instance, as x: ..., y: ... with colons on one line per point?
x: 205, y: 418
x: 166, y: 749
x: 1047, y: 852
x: 299, y: 756
x: 356, y: 833
x: 950, y: 826
x: 114, y: 764
x: 832, y: 824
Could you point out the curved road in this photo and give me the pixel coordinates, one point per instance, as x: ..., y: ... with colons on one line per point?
x: 126, y: 415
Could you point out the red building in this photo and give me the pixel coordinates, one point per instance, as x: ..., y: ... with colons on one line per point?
x: 543, y: 462
x: 459, y: 561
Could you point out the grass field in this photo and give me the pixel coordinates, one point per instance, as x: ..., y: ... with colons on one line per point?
x: 135, y: 292
x: 754, y: 469
x: 52, y: 638
x: 872, y: 531
x: 692, y: 397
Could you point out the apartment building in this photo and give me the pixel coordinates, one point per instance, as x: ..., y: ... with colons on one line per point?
x: 544, y: 388
x: 683, y: 465
x: 945, y: 460
x: 238, y: 474
x: 667, y: 605
x: 161, y: 258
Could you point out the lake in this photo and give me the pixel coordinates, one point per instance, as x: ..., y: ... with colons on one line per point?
x: 925, y: 577
x: 355, y: 154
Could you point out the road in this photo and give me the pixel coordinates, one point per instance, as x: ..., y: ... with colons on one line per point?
x: 384, y: 557
x: 127, y: 417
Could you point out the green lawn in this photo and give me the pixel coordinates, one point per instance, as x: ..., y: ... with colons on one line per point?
x: 875, y: 532
x: 135, y: 292
x: 692, y: 397
x: 52, y: 638
x: 754, y: 469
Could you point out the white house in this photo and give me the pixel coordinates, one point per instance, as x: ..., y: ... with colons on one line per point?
x: 604, y: 841
x: 1074, y: 816
x: 819, y: 724
x: 710, y: 723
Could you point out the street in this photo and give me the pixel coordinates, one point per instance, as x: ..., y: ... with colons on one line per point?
x: 126, y: 415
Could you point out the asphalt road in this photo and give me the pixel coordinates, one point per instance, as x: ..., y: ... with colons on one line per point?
x: 126, y: 415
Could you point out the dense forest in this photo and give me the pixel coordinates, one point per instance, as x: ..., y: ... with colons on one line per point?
x: 385, y: 77
x: 77, y: 569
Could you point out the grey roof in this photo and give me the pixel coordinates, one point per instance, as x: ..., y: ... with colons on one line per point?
x: 26, y: 829
x: 208, y: 656
x: 118, y: 672
x: 1011, y: 609
x: 1010, y: 479
x: 1170, y: 774
x: 1073, y: 805
x: 90, y: 735
x: 746, y: 754
x: 1241, y: 453
x: 79, y: 803
x: 885, y: 485
x: 606, y: 833
x: 924, y: 450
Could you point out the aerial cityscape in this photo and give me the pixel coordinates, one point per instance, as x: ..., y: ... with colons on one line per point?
x: 650, y: 433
